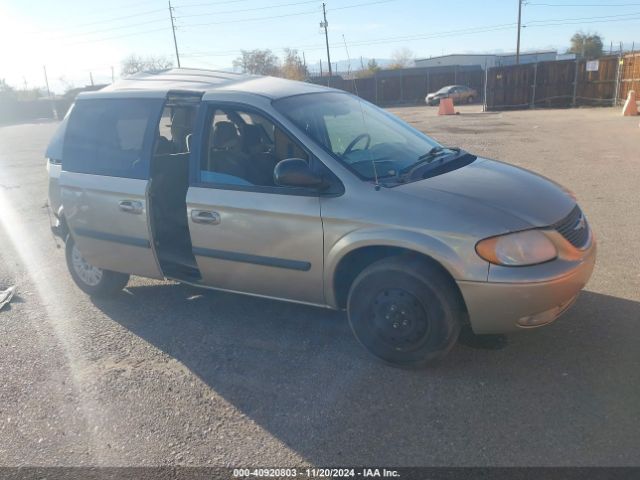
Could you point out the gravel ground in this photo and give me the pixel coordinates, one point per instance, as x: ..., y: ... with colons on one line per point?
x: 165, y: 374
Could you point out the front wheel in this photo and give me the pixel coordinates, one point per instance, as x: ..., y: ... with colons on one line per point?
x: 94, y: 281
x: 405, y: 311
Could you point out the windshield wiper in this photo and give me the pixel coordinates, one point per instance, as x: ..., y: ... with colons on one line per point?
x: 424, y: 159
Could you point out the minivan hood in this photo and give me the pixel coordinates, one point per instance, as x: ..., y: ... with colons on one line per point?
x: 510, y: 191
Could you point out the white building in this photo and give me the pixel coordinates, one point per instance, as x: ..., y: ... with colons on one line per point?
x: 488, y: 60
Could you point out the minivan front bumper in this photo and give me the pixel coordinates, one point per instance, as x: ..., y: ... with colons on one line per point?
x: 501, y: 307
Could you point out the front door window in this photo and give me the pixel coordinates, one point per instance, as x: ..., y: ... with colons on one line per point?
x: 243, y: 148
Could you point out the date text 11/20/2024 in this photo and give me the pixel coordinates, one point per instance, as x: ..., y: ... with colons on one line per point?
x: 315, y: 473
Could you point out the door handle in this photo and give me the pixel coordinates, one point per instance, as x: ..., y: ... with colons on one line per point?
x: 131, y: 206
x: 205, y: 216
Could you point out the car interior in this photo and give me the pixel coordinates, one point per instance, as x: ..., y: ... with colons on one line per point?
x: 168, y: 191
x: 242, y: 149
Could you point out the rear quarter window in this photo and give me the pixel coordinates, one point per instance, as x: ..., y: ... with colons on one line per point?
x: 111, y: 137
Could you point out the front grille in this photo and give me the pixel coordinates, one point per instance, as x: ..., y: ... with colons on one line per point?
x: 574, y: 228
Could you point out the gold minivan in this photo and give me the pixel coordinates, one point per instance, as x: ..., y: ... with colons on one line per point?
x: 298, y: 192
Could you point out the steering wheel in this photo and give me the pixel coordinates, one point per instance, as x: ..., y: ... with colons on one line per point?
x: 355, y: 141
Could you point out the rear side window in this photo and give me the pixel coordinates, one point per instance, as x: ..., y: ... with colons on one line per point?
x: 54, y: 149
x: 111, y: 137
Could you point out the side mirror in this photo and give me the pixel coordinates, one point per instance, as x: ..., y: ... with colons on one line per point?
x: 295, y: 172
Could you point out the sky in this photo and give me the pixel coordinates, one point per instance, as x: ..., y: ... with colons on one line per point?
x: 77, y: 39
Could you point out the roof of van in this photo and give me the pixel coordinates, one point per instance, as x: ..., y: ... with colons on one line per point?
x: 204, y: 81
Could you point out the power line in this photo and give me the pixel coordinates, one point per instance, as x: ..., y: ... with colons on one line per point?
x: 207, y: 4
x: 99, y: 22
x: 93, y: 32
x: 626, y: 19
x: 366, y: 4
x: 257, y: 19
x: 158, y: 20
x: 128, y: 5
x: 402, y: 38
x: 466, y: 31
x: 582, y: 4
x: 270, y: 7
x: 98, y: 40
x: 473, y: 30
x: 599, y: 17
x: 284, y: 15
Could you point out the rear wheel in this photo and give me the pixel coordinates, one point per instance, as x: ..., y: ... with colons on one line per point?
x: 92, y: 280
x: 405, y: 311
x: 470, y: 100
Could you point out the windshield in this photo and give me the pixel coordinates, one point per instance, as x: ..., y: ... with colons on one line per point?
x: 444, y: 90
x: 368, y: 140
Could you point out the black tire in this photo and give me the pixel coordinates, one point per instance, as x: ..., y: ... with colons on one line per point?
x: 426, y: 320
x: 470, y: 100
x: 105, y: 284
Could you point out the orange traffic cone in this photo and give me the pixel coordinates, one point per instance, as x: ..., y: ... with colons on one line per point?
x: 446, y: 107
x: 630, y: 106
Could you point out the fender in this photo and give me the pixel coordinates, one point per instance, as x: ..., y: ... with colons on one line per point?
x: 441, y: 252
x: 60, y: 228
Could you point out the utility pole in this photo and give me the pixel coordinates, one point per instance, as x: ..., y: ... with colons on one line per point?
x: 46, y: 80
x: 519, y: 28
x: 325, y: 25
x: 91, y: 78
x: 53, y: 105
x: 173, y: 29
x: 113, y: 77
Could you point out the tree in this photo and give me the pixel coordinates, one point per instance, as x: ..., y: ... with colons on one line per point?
x: 257, y: 62
x: 29, y: 93
x: 402, y: 58
x: 134, y: 64
x: 6, y: 90
x: 370, y: 71
x: 293, y: 67
x: 67, y: 84
x: 373, y: 66
x: 587, y: 45
x: 4, y: 86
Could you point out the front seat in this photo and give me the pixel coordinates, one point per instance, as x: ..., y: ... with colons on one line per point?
x: 226, y: 155
x: 181, y: 127
x: 262, y: 162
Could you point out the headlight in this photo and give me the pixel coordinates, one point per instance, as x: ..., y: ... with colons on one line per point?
x: 517, y: 249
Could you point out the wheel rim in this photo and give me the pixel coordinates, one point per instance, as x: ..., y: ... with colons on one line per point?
x: 400, y: 319
x: 87, y: 273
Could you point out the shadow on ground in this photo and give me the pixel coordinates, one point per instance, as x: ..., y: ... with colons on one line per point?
x: 546, y: 397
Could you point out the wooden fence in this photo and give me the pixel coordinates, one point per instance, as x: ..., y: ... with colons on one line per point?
x: 630, y: 75
x: 553, y: 84
x: 409, y: 85
x: 564, y: 83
